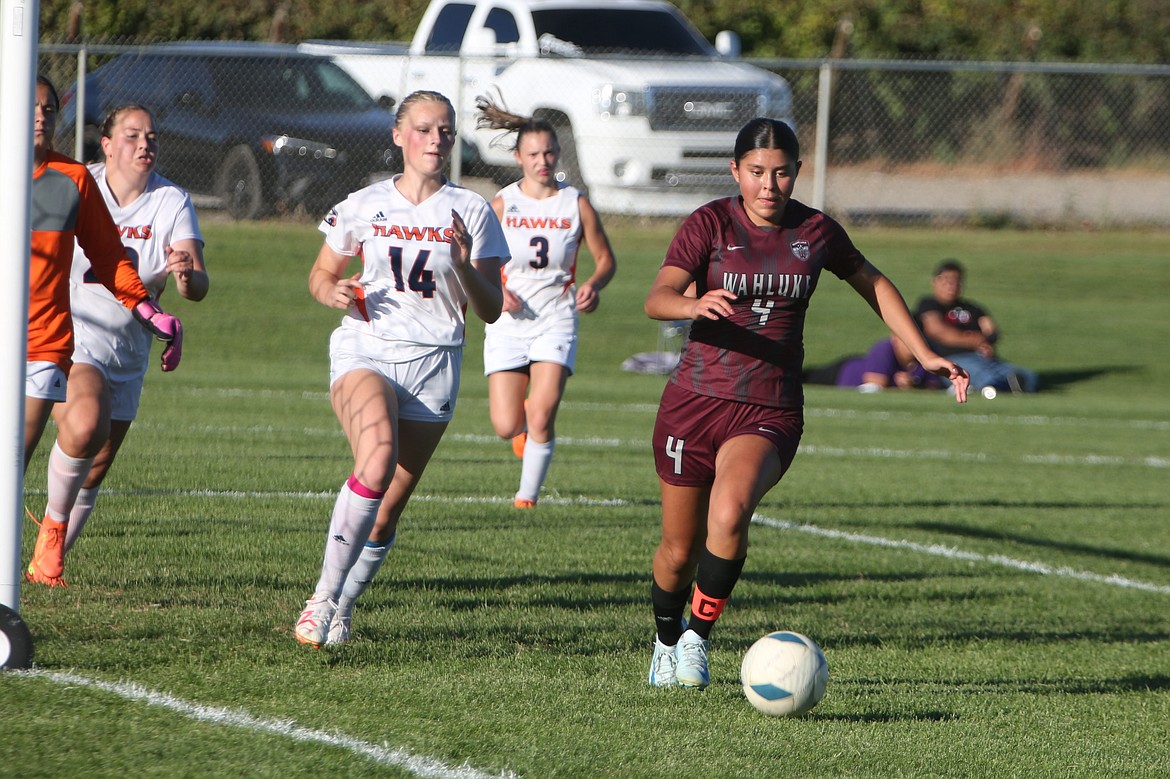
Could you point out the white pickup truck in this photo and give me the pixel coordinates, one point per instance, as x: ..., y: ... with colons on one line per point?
x: 646, y: 108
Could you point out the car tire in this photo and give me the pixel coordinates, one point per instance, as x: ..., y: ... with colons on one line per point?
x: 240, y: 184
x: 16, y: 646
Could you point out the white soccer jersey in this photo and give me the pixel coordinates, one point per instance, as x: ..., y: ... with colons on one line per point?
x: 411, y: 292
x: 544, y: 236
x: 105, y: 331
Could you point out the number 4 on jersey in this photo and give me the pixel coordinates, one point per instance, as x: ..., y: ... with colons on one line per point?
x: 674, y: 450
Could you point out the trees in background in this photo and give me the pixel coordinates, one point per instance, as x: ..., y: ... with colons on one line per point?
x: 1133, y: 31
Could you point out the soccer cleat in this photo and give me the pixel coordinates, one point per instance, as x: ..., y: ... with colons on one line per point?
x: 339, y: 628
x: 48, y: 560
x: 691, y: 668
x: 519, y: 441
x: 522, y: 503
x: 313, y: 626
x: 662, y: 665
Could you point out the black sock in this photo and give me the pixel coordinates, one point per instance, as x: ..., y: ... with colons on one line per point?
x: 714, y: 581
x: 668, y: 612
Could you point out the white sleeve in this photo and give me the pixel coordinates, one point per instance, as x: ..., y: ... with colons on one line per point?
x: 487, y: 236
x: 338, y: 229
x: 186, y: 225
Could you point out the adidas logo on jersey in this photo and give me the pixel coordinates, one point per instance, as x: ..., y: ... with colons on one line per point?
x: 378, y: 217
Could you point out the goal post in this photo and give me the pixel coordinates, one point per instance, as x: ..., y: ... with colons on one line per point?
x: 19, y: 28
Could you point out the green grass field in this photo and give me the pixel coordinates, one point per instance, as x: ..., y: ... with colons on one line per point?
x: 989, y: 582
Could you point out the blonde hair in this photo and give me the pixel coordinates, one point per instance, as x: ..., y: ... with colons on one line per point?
x: 421, y: 96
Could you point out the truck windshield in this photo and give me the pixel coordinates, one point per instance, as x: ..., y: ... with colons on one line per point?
x: 621, y: 31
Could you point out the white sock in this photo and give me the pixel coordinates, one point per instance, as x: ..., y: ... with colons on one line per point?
x: 353, y: 518
x: 66, y: 475
x: 82, y: 508
x: 363, y: 572
x: 533, y: 470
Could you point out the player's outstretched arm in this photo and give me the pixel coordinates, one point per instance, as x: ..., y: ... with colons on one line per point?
x: 885, y: 299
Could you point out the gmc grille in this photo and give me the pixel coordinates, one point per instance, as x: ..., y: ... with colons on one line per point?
x: 710, y: 110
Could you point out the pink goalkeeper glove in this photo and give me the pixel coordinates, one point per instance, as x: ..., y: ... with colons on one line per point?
x: 166, y: 328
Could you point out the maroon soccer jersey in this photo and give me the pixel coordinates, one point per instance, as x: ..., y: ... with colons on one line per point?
x: 755, y: 356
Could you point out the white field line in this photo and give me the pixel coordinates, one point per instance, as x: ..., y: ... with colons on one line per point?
x: 965, y: 415
x: 873, y: 452
x: 384, y: 754
x: 938, y: 550
x: 429, y: 767
x: 934, y: 550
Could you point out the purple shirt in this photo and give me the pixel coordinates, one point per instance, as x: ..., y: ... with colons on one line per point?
x: 755, y: 355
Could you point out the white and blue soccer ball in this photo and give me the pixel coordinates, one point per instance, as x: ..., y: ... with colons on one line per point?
x: 784, y: 674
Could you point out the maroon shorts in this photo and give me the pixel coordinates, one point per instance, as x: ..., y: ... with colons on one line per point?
x: 690, y: 429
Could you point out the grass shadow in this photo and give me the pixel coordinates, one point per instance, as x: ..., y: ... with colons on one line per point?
x: 1058, y: 380
x: 968, y: 531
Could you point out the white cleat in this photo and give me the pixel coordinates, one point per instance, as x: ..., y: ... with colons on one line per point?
x: 691, y: 668
x: 313, y: 626
x: 662, y: 665
x: 339, y: 628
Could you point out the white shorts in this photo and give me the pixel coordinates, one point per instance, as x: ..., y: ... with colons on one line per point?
x: 508, y: 353
x: 426, y: 385
x: 44, y: 381
x: 125, y: 393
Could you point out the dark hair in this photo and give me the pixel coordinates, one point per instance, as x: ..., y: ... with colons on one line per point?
x: 44, y: 81
x: 764, y: 133
x: 949, y: 265
x: 112, y: 117
x: 496, y: 117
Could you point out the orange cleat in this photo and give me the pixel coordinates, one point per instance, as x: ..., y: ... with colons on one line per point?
x: 519, y: 441
x: 521, y: 503
x: 48, y: 561
x: 518, y: 445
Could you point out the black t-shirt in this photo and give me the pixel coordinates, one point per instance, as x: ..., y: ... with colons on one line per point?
x: 962, y: 314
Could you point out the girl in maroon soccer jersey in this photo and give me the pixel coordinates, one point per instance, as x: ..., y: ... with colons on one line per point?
x: 731, y: 415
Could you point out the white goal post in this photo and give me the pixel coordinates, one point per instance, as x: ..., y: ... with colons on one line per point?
x: 19, y: 30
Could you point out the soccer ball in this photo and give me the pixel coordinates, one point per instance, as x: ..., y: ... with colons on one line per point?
x: 784, y: 674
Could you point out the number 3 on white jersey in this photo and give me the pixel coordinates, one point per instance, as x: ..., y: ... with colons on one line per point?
x: 674, y: 450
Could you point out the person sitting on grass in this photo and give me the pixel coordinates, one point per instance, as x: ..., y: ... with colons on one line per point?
x: 887, y: 365
x: 962, y: 330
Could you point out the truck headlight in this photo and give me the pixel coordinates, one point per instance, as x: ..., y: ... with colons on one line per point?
x: 612, y: 101
x: 776, y: 101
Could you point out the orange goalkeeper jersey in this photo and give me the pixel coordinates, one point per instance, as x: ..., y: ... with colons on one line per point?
x: 67, y: 205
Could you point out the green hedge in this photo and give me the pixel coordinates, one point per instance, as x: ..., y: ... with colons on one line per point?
x: 1136, y: 31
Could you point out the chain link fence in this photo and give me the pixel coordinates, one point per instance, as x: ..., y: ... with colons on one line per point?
x: 259, y: 129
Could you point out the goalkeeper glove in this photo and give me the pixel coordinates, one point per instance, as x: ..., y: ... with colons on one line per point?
x: 165, y: 327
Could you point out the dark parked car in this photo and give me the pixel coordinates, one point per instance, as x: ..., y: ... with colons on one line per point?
x: 260, y: 126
